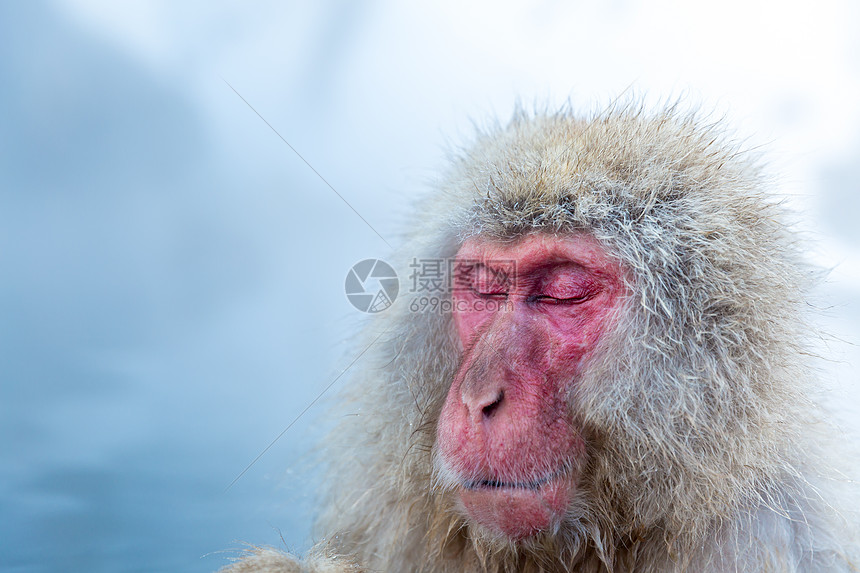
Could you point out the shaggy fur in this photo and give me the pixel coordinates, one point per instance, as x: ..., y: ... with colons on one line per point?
x: 702, y: 447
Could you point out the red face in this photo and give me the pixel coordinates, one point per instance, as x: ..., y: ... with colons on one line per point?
x: 527, y: 315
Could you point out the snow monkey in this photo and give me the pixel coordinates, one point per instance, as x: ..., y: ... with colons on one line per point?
x: 616, y: 381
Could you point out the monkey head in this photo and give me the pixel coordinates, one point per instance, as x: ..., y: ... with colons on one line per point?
x: 648, y: 311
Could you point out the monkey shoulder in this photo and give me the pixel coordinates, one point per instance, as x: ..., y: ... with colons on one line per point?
x: 267, y: 560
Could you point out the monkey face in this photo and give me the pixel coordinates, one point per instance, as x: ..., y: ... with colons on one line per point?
x: 527, y: 315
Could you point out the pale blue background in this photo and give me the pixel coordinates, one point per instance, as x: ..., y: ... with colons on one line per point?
x: 171, y: 274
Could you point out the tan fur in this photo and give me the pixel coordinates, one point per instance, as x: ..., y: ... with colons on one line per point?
x: 701, y: 437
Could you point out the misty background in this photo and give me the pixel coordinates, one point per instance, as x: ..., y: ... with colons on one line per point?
x: 171, y: 272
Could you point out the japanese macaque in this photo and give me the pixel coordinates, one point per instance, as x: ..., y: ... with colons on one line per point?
x: 617, y: 380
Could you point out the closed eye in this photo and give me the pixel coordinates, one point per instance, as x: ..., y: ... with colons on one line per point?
x: 544, y: 299
x: 491, y: 294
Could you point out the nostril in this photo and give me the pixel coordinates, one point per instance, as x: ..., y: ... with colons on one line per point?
x: 491, y: 408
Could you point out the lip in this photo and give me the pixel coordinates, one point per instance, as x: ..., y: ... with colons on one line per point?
x: 491, y: 484
x: 517, y: 509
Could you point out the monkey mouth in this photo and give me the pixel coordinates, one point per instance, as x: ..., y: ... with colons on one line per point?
x: 517, y: 509
x: 533, y: 485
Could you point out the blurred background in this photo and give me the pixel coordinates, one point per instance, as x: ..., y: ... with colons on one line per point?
x: 171, y: 272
